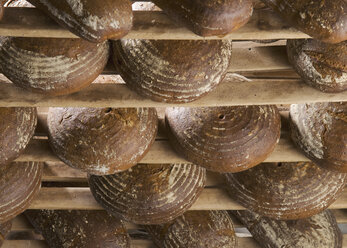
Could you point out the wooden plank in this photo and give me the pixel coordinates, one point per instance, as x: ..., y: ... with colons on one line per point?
x: 29, y: 22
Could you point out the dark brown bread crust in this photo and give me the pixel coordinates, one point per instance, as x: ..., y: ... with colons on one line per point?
x: 52, y: 66
x: 149, y: 194
x: 87, y: 229
x: 323, y: 20
x: 321, y: 65
x: 286, y: 191
x: 319, y: 130
x: 17, y: 126
x: 224, y: 139
x: 195, y: 229
x: 210, y: 17
x: 19, y: 184
x: 5, y: 228
x: 320, y: 230
x: 92, y: 20
x: 101, y: 140
x: 175, y: 71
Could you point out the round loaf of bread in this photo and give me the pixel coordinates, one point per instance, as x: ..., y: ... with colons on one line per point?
x: 87, y: 229
x: 224, y: 139
x: 18, y: 3
x: 5, y: 228
x: 208, y: 17
x: 174, y: 71
x: 19, y: 184
x: 195, y: 229
x: 95, y: 21
x: 149, y: 193
x: 101, y: 141
x: 286, y: 191
x: 320, y: 131
x: 323, y: 20
x: 320, y: 230
x: 321, y: 65
x: 17, y: 126
x: 52, y: 66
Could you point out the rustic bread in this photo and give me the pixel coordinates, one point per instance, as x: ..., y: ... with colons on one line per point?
x: 101, y: 140
x: 148, y: 193
x: 286, y: 191
x: 323, y: 20
x: 17, y: 3
x: 195, y: 229
x: 5, y: 228
x: 19, y: 184
x: 174, y: 71
x: 76, y: 228
x: 320, y: 131
x: 224, y: 139
x: 321, y: 65
x: 52, y: 66
x: 318, y: 231
x: 17, y: 126
x: 92, y: 20
x: 209, y: 17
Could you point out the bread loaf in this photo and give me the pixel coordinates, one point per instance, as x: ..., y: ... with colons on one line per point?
x: 209, y: 17
x: 19, y: 184
x: 149, y: 194
x: 52, y: 66
x: 17, y: 126
x: 195, y: 229
x: 101, y: 140
x: 174, y: 71
x: 318, y: 231
x: 320, y: 131
x: 18, y: 3
x: 321, y: 65
x: 5, y: 228
x: 323, y: 20
x: 76, y: 228
x: 286, y: 191
x: 224, y: 139
x: 92, y: 20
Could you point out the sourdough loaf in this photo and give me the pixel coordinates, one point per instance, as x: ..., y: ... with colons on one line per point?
x: 149, y: 193
x: 77, y: 228
x: 101, y: 140
x: 92, y: 20
x: 224, y: 139
x: 5, y: 228
x: 286, y: 191
x: 318, y: 231
x: 321, y: 65
x: 195, y: 229
x: 52, y: 66
x: 17, y: 126
x: 17, y: 3
x: 174, y: 71
x: 320, y: 131
x: 323, y: 20
x: 19, y: 184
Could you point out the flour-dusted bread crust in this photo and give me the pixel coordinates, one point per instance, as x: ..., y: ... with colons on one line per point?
x: 321, y: 65
x: 286, y: 191
x: 101, y: 140
x: 92, y: 20
x: 17, y: 3
x: 5, y: 229
x: 149, y: 193
x: 318, y: 231
x: 52, y: 66
x: 320, y: 131
x: 195, y: 229
x: 209, y: 17
x: 78, y: 228
x: 19, y: 184
x: 17, y: 126
x: 323, y: 20
x: 174, y: 71
x: 224, y: 139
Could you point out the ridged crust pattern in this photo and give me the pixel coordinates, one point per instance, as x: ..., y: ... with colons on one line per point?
x: 101, y: 140
x: 5, y: 228
x: 286, y: 191
x: 224, y: 139
x: 148, y: 193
